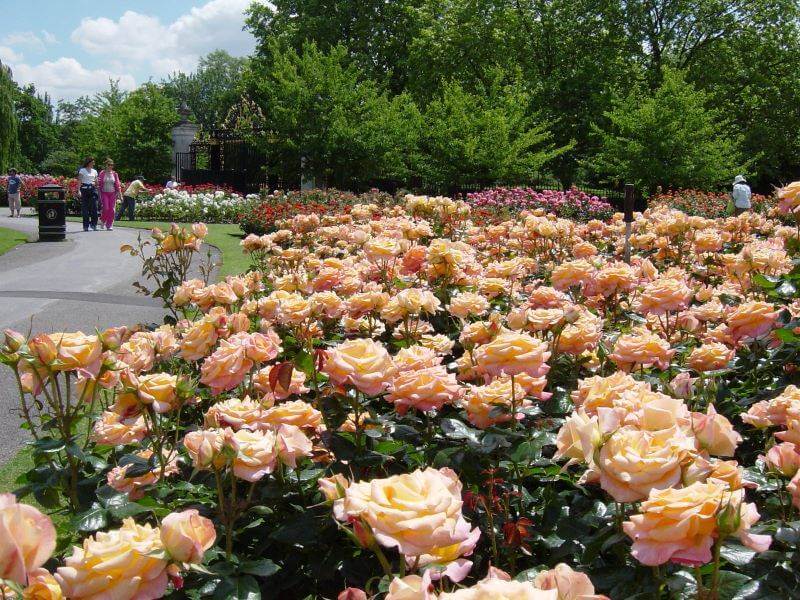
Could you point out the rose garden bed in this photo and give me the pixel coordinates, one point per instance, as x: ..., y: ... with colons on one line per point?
x: 407, y: 402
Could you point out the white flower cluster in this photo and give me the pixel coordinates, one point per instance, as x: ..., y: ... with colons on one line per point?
x: 181, y: 206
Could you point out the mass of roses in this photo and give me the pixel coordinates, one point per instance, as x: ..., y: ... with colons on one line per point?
x: 404, y: 403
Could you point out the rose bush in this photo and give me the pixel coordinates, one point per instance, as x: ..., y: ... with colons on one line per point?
x: 401, y: 401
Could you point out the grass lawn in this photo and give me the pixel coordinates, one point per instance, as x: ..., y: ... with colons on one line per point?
x: 9, y: 238
x: 226, y: 237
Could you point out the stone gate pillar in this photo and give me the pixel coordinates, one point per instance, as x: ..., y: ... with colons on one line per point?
x: 183, y: 134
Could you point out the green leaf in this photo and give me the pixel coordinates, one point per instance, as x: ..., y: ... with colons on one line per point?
x: 93, y: 519
x: 737, y: 555
x: 456, y: 430
x: 731, y: 584
x: 261, y: 568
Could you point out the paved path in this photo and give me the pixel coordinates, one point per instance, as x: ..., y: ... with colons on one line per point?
x: 81, y: 284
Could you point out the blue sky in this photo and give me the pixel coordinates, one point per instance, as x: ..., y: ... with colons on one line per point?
x: 72, y: 47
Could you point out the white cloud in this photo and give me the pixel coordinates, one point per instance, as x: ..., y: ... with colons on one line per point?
x: 29, y: 40
x: 141, y: 41
x: 67, y: 78
x: 8, y: 56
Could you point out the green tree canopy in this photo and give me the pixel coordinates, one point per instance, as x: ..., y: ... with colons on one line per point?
x: 670, y: 139
x: 8, y: 120
x: 487, y: 136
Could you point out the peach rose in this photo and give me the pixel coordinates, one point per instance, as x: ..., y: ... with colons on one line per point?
x: 423, y: 389
x: 113, y: 429
x: 186, y: 536
x: 491, y: 404
x: 226, y: 367
x: 256, y: 454
x: 612, y: 279
x: 414, y: 512
x: 118, y: 479
x: 296, y: 384
x: 468, y: 304
x: 634, y: 462
x: 665, y: 295
x: 582, y: 335
x: 775, y: 412
x: 408, y: 302
x: 122, y: 563
x: 237, y: 414
x: 198, y: 341
x: 77, y: 351
x: 715, y: 433
x: 784, y: 458
x: 159, y: 390
x: 511, y: 354
x: 680, y: 525
x: 298, y: 413
x: 497, y: 589
x: 571, y: 585
x: 205, y: 447
x: 416, y: 357
x: 27, y: 539
x: 199, y: 230
x: 41, y: 586
x: 793, y: 488
x: 789, y: 198
x: 751, y: 320
x: 333, y: 487
x: 292, y: 444
x: 578, y: 437
x: 411, y: 587
x: 139, y: 353
x: 641, y: 348
x: 596, y: 392
x: 362, y: 363
x: 572, y: 273
x: 711, y: 356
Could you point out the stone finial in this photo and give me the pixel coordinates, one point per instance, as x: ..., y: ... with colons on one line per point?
x: 184, y: 111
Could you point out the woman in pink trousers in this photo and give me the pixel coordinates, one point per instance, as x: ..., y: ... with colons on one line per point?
x: 110, y: 191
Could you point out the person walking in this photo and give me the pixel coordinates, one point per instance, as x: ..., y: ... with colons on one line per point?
x: 110, y: 191
x: 741, y: 195
x: 128, y: 205
x: 14, y: 185
x: 87, y: 187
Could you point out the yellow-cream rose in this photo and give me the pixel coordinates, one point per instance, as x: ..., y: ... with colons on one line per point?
x: 42, y: 586
x: 570, y: 584
x: 633, y: 462
x: 158, y: 390
x: 415, y: 512
x: 423, y: 389
x: 468, y: 304
x: 497, y: 589
x: 123, y: 563
x: 198, y: 341
x: 513, y: 353
x: 256, y: 454
x: 710, y: 357
x: 76, y: 351
x: 715, y: 433
x: 641, y: 348
x: 362, y: 363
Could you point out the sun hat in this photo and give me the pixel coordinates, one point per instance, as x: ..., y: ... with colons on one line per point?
x: 739, y: 179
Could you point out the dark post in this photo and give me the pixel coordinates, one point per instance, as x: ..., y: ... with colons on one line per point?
x: 52, y: 207
x: 630, y: 197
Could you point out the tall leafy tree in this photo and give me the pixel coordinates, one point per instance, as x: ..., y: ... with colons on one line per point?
x: 670, y: 139
x: 211, y: 90
x: 38, y: 131
x: 8, y: 120
x: 487, y: 136
x: 320, y: 109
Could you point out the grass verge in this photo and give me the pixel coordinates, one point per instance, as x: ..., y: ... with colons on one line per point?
x: 10, y: 238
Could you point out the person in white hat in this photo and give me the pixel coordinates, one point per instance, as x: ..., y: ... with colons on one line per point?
x: 741, y: 195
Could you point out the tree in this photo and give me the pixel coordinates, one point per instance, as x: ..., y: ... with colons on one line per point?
x: 211, y: 90
x: 8, y: 120
x: 670, y: 139
x: 323, y: 110
x: 488, y: 136
x: 376, y: 34
x: 38, y: 131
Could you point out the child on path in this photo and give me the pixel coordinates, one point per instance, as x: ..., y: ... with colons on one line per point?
x: 110, y: 190
x: 14, y: 194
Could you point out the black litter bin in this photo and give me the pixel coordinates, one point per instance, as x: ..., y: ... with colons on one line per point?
x: 52, y: 208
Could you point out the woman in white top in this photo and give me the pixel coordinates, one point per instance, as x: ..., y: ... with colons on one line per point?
x: 87, y: 187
